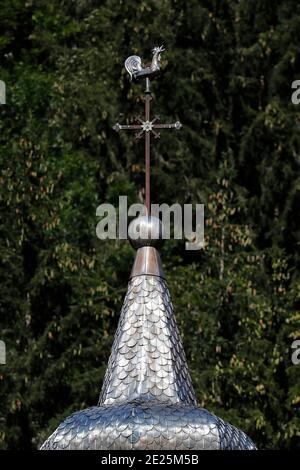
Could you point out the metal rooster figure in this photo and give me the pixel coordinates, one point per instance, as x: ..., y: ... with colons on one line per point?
x: 133, y: 65
x: 147, y: 399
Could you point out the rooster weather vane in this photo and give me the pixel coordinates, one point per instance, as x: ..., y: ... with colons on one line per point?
x: 146, y: 126
x: 133, y: 65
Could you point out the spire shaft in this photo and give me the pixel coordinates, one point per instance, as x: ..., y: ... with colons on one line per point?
x: 147, y: 361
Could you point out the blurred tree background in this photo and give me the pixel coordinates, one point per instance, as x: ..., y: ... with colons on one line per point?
x: 227, y: 75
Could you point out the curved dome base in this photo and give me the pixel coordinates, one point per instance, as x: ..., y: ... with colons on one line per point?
x: 146, y: 425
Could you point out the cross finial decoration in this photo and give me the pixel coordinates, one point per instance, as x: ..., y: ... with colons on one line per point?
x: 145, y: 126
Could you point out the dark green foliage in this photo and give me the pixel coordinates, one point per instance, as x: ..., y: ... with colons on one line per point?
x: 228, y: 71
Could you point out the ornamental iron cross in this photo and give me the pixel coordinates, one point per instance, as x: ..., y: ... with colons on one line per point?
x: 146, y: 127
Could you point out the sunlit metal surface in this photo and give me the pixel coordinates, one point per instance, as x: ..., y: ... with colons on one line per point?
x: 148, y: 425
x: 147, y: 360
x: 147, y: 399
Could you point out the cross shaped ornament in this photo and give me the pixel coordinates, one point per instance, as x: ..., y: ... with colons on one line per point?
x: 146, y: 127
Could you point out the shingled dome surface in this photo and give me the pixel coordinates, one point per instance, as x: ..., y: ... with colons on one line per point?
x: 147, y: 399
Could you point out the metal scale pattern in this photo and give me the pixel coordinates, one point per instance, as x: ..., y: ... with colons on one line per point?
x: 147, y: 360
x: 147, y: 399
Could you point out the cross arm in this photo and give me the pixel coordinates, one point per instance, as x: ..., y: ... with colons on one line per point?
x: 175, y: 125
x: 155, y: 124
x: 127, y: 127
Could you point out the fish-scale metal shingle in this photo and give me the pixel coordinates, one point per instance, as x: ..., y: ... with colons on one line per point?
x: 147, y: 399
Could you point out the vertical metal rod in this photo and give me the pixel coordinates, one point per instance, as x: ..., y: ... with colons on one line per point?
x: 147, y: 147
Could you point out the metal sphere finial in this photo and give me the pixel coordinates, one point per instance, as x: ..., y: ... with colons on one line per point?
x: 145, y: 231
